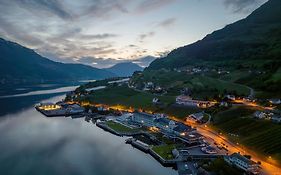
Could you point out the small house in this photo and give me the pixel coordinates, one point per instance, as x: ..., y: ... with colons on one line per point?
x: 243, y: 163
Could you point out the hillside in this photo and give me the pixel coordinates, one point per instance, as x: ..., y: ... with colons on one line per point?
x: 250, y: 48
x: 20, y: 64
x: 257, y: 37
x: 124, y: 69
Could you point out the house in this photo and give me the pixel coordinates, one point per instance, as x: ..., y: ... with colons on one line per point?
x: 187, y: 101
x: 48, y: 106
x: 155, y: 100
x: 158, y: 89
x: 144, y: 119
x: 192, y: 137
x: 149, y: 85
x: 260, y: 114
x: 197, y: 117
x: 182, y: 129
x: 231, y: 97
x: 101, y: 108
x: 224, y: 104
x: 275, y: 101
x: 276, y: 118
x: 243, y: 163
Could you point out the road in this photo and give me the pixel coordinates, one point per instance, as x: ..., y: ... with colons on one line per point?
x: 269, y: 166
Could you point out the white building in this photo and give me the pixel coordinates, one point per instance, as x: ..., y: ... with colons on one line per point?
x: 243, y: 163
x: 275, y: 101
x: 144, y: 119
x: 197, y: 117
x: 259, y: 114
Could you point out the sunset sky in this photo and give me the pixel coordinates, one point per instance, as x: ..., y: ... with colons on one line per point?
x: 103, y: 32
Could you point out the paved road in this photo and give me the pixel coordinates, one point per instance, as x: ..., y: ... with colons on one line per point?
x: 268, y: 165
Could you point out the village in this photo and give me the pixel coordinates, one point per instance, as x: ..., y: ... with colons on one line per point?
x: 187, y: 144
x: 171, y: 142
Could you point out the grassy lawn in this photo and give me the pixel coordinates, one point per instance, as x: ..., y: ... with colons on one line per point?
x: 165, y: 151
x: 120, y: 128
x: 219, y: 166
x: 127, y: 97
x: 180, y: 112
x: 135, y: 99
x: 259, y: 135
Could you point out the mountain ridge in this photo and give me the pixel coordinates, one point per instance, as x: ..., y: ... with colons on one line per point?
x: 124, y: 69
x: 21, y: 64
x: 256, y: 36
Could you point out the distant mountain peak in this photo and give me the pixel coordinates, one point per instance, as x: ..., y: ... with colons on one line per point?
x: 124, y: 69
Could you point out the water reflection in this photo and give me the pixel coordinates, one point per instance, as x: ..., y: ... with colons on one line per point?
x: 33, y: 144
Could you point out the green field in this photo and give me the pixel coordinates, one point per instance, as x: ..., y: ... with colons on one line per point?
x: 120, y: 128
x: 219, y: 166
x: 259, y: 135
x: 165, y: 151
x: 201, y: 86
x: 123, y: 95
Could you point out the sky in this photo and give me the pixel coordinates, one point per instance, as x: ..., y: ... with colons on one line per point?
x: 102, y: 33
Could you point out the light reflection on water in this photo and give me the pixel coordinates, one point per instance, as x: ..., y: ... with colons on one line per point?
x: 34, y: 144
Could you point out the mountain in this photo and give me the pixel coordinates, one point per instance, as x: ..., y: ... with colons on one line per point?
x: 124, y: 69
x: 20, y: 64
x: 253, y: 39
x: 145, y: 61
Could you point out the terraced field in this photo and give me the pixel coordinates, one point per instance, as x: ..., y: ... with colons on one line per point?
x: 262, y: 136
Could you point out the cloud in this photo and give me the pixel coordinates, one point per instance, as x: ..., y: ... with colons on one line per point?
x: 142, y: 37
x: 99, y: 36
x: 167, y: 22
x: 150, y: 5
x: 242, y: 6
x: 54, y: 7
x: 99, y: 62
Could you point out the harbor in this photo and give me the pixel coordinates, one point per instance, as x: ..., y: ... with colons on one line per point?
x: 150, y: 133
x: 64, y: 141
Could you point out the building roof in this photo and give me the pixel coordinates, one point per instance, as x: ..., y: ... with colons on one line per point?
x: 198, y: 116
x: 75, y: 106
x: 145, y: 115
x: 184, y: 98
x: 243, y: 158
x: 209, y: 148
x: 182, y: 128
x: 163, y: 121
x: 46, y: 104
x: 194, y: 135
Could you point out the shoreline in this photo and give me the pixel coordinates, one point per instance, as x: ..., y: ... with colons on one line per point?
x: 141, y: 147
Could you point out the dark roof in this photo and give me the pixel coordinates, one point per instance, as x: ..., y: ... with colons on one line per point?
x: 210, y: 148
x: 145, y: 115
x: 242, y: 158
x: 182, y: 128
x: 163, y: 121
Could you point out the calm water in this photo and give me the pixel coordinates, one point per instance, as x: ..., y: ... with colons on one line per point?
x: 34, y: 144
